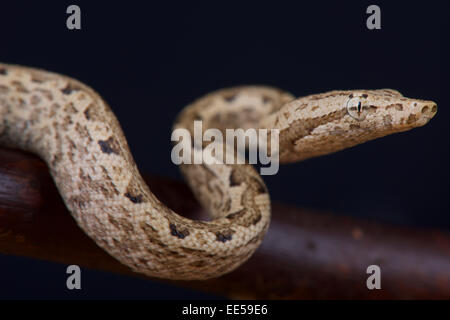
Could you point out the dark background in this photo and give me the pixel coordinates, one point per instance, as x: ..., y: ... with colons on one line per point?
x: 149, y: 61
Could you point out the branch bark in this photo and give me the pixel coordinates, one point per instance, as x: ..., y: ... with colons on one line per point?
x: 305, y: 255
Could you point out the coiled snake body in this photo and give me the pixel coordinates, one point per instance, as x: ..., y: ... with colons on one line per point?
x: 72, y: 128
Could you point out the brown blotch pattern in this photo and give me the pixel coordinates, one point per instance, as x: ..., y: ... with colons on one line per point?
x: 235, y: 178
x: 69, y: 88
x: 411, y: 119
x: 105, y: 185
x: 53, y: 109
x: 67, y: 122
x: 134, y: 192
x: 229, y: 97
x: 79, y: 201
x: 134, y: 199
x: 72, y: 148
x: 19, y: 87
x: 257, y: 219
x: 260, y: 186
x: 178, y: 232
x: 224, y: 236
x: 192, y: 251
x: 35, y: 99
x: 121, y: 224
x: 3, y: 88
x: 83, y: 131
x: 57, y: 157
x: 241, y: 217
x: 387, y: 119
x: 302, y: 106
x: 87, y: 112
x: 304, y: 127
x: 36, y: 79
x: 19, y: 102
x: 109, y: 146
x: 370, y: 109
x: 237, y: 214
x: 35, y: 115
x: 70, y: 108
x: 152, y: 234
x: 397, y: 106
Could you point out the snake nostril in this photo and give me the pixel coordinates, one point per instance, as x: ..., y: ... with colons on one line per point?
x: 425, y: 109
x: 434, y: 109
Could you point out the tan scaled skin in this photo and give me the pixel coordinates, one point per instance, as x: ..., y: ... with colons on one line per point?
x: 72, y: 128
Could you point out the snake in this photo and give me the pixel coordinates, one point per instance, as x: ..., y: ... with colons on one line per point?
x: 72, y: 128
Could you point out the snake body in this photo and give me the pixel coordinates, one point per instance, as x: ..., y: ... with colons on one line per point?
x: 73, y: 129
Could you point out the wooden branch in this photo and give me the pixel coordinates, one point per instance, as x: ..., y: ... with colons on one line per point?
x: 305, y: 255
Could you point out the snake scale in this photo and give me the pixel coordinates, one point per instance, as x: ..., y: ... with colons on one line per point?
x: 74, y: 131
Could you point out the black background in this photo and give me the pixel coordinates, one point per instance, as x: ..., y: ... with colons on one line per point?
x: 148, y: 61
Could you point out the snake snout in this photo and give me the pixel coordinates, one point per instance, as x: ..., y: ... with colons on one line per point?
x: 426, y: 110
x: 429, y: 110
x: 423, y: 111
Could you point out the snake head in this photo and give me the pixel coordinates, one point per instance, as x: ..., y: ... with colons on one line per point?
x: 324, y: 123
x: 388, y: 110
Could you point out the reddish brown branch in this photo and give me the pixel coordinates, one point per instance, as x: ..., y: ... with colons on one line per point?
x: 304, y: 255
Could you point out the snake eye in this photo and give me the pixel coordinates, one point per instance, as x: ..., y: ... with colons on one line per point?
x: 356, y: 109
